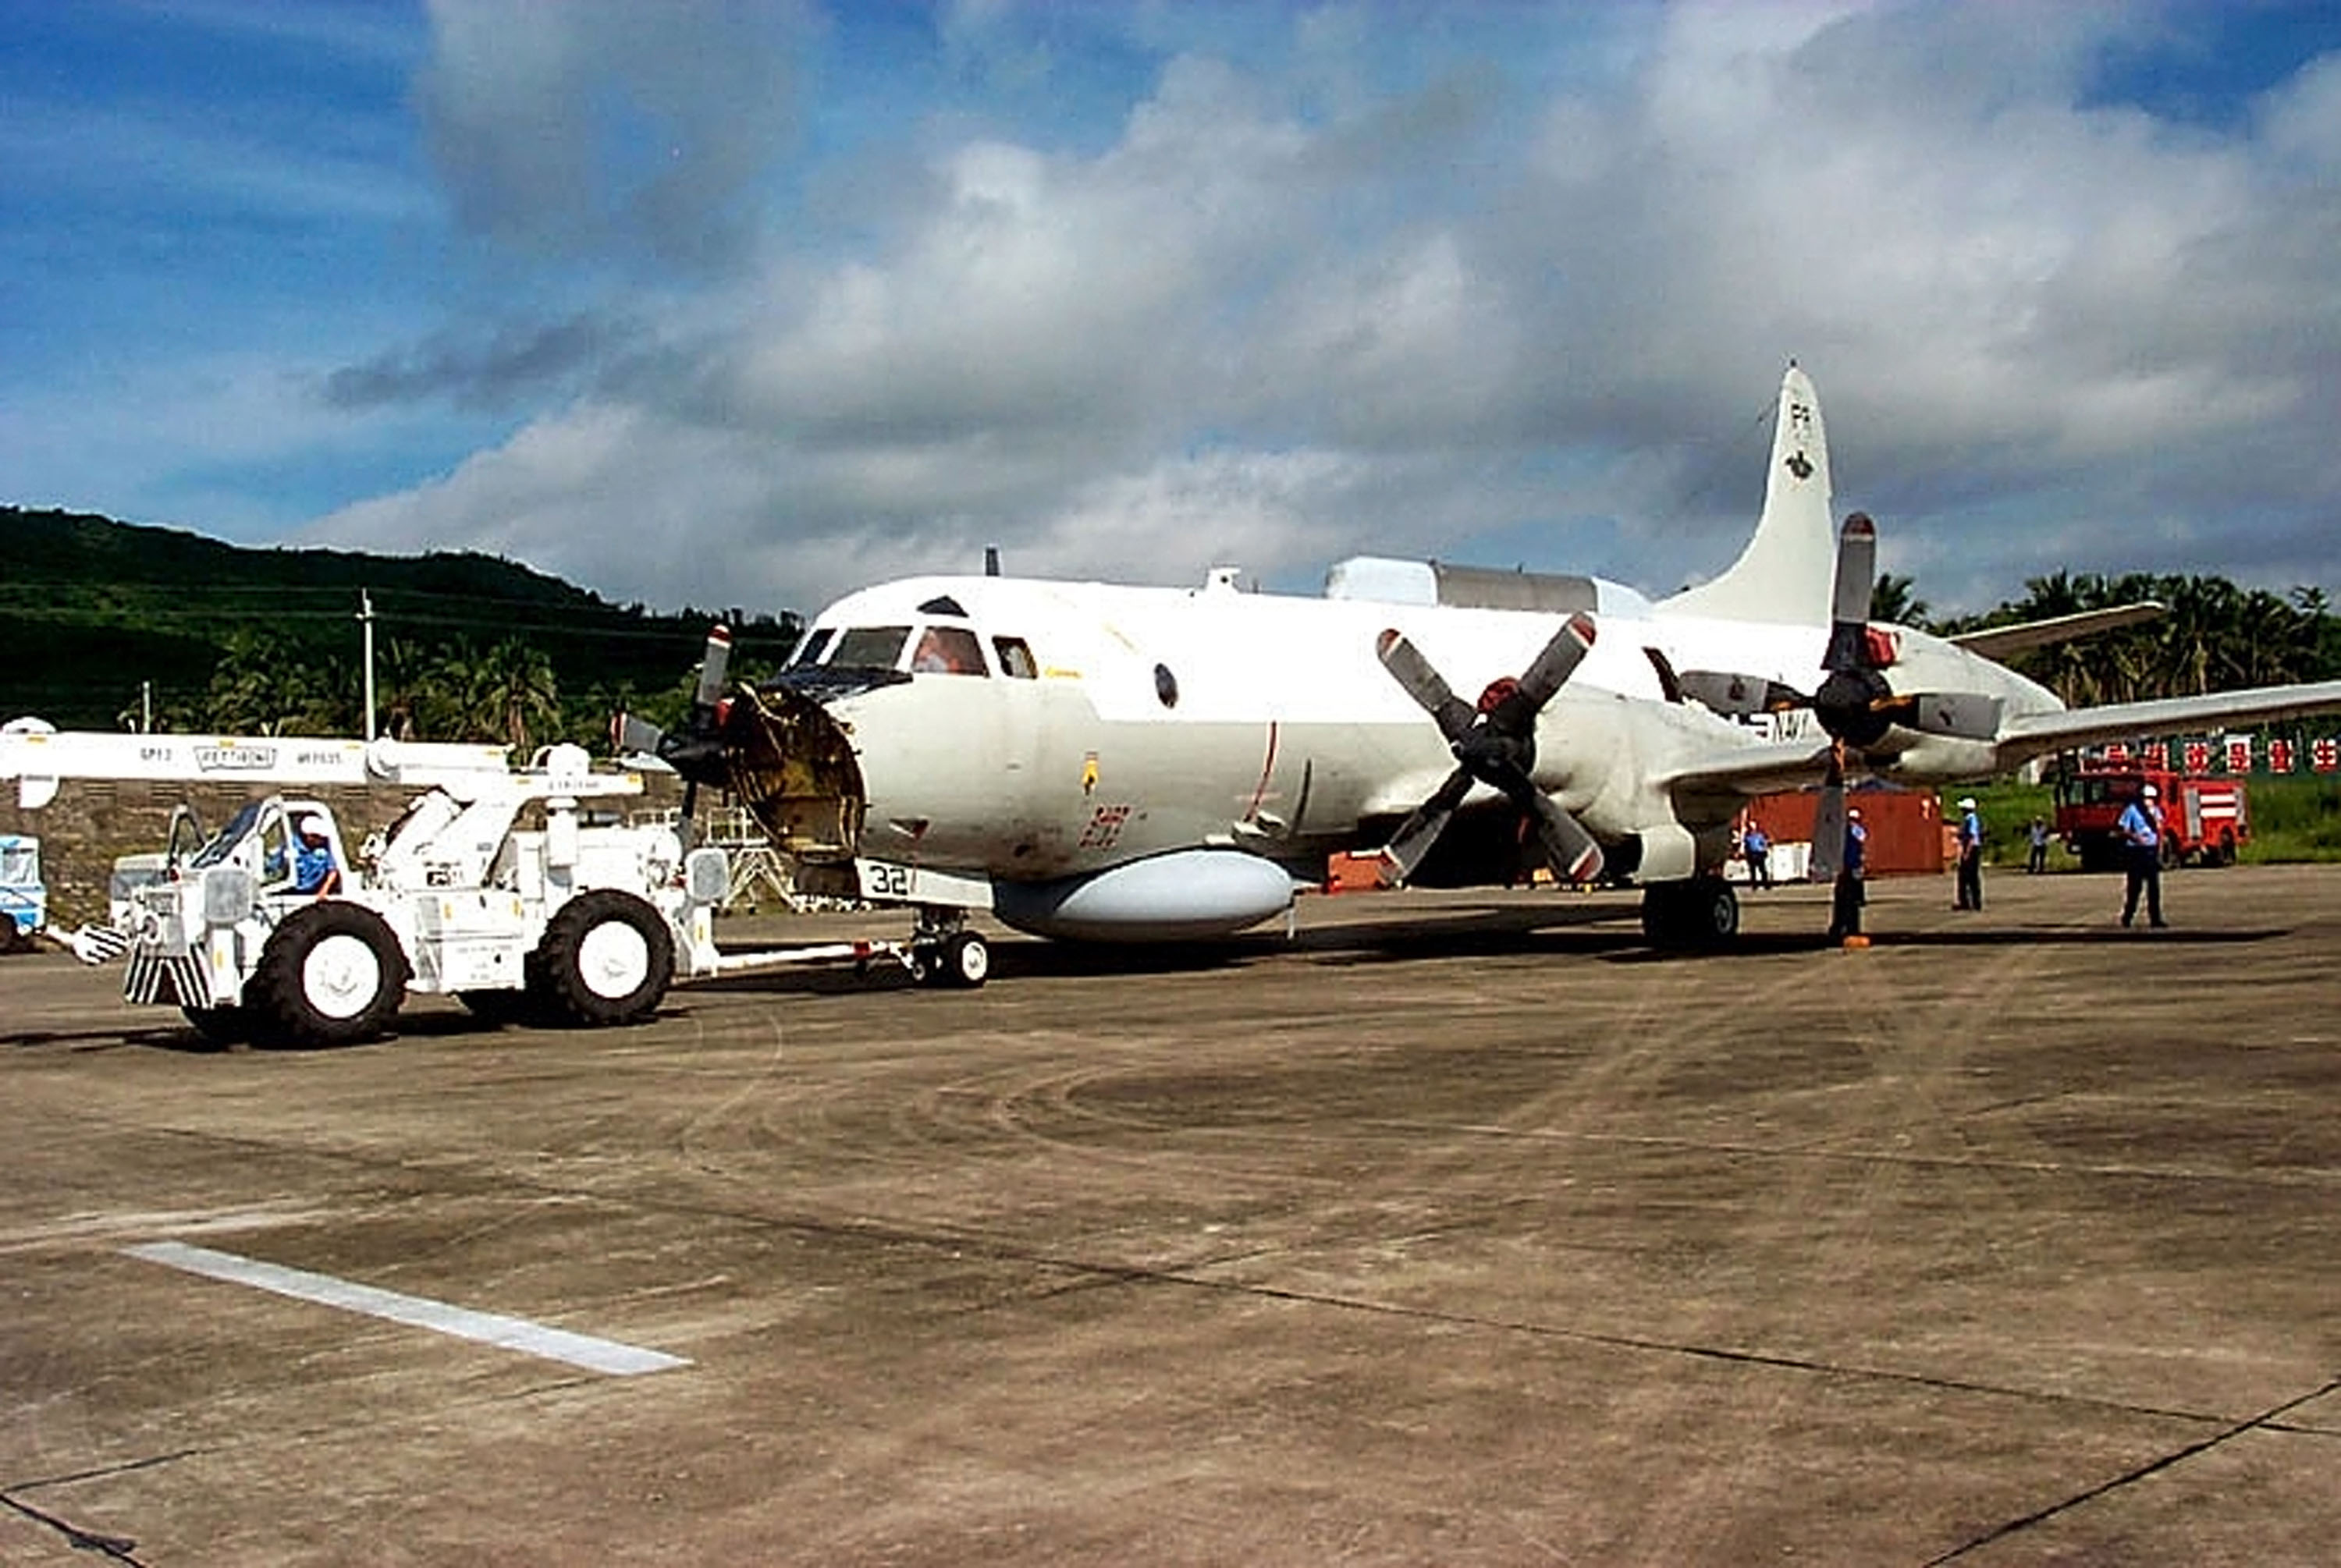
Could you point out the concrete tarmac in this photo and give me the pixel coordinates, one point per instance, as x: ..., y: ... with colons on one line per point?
x: 1460, y: 1228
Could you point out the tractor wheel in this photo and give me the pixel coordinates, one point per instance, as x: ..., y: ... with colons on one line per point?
x: 332, y: 974
x: 606, y: 958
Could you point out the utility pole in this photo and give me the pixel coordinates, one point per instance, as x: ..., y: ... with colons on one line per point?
x: 365, y: 618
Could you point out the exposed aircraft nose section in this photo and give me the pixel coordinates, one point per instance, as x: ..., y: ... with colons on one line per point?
x: 790, y: 763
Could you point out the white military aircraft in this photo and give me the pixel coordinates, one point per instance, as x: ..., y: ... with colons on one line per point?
x: 1104, y: 763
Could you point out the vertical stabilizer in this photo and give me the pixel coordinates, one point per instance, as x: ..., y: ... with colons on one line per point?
x: 1785, y: 572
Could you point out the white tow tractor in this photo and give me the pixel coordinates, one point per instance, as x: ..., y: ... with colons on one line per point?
x: 24, y: 898
x: 566, y: 921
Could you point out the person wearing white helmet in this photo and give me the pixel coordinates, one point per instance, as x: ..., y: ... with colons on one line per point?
x: 2140, y: 828
x: 314, y: 868
x: 1848, y: 896
x: 1970, y: 893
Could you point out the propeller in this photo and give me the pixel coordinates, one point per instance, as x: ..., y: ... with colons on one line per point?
x: 1494, y: 742
x: 1857, y: 703
x: 694, y: 751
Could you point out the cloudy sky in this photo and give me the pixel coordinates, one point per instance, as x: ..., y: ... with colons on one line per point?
x: 750, y: 304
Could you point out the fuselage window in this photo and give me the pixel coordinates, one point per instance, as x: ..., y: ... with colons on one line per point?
x: 1015, y: 658
x: 1166, y: 685
x: 869, y: 647
x: 948, y: 651
x: 809, y: 651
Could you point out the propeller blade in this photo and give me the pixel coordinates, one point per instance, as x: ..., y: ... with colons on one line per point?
x: 1569, y: 848
x: 1551, y: 667
x: 1856, y: 573
x: 1962, y: 715
x: 712, y: 668
x: 1422, y: 826
x: 1425, y: 685
x: 1857, y: 568
x: 1739, y: 696
x: 629, y: 734
x: 1828, y: 823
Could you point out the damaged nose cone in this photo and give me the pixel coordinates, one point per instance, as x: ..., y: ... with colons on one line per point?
x: 792, y: 767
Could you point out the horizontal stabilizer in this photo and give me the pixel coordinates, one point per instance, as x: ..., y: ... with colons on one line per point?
x: 2000, y: 641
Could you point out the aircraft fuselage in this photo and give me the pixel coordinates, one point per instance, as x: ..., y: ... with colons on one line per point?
x: 1088, y: 725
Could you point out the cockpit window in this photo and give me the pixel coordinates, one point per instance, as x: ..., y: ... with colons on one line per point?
x: 809, y: 651
x: 943, y: 604
x: 1015, y: 658
x: 948, y: 651
x: 869, y: 647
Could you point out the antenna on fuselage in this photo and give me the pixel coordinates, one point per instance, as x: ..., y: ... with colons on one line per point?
x: 992, y: 561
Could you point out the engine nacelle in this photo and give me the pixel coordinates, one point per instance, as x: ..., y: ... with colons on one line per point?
x: 1934, y: 758
x: 1180, y: 896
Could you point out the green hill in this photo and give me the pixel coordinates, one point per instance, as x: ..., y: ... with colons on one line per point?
x: 102, y: 619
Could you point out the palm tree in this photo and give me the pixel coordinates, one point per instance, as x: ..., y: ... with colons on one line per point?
x: 1891, y: 600
x: 263, y: 684
x: 510, y: 688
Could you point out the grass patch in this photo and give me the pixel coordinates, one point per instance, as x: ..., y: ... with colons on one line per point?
x: 2295, y: 817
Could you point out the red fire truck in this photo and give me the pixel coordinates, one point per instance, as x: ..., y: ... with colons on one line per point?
x: 2204, y: 817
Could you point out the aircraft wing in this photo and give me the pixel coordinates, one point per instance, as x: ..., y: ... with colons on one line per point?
x: 1759, y: 769
x: 2032, y: 735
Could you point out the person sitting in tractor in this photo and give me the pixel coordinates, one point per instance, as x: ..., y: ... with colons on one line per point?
x: 313, y: 869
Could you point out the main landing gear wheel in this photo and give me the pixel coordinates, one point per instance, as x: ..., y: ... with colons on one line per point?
x: 1700, y: 916
x: 606, y: 958
x: 332, y: 974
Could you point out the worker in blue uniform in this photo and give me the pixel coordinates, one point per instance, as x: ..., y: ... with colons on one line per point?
x: 1756, y: 847
x: 2140, y: 829
x: 1845, y: 904
x: 1970, y: 894
x: 314, y: 868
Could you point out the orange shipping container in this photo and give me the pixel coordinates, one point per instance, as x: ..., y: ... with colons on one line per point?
x: 1907, y: 832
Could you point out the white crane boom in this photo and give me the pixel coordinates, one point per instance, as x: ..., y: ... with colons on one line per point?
x: 38, y: 758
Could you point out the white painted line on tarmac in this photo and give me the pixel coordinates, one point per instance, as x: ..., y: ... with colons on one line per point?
x: 604, y: 1355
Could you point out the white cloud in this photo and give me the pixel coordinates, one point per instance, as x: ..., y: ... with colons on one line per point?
x: 1281, y: 319
x: 607, y: 127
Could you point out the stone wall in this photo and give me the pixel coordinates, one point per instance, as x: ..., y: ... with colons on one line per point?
x: 91, y: 821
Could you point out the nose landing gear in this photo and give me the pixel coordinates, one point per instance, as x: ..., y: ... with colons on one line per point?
x: 944, y: 952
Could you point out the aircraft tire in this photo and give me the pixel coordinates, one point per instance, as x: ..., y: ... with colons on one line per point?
x: 331, y: 973
x: 606, y: 959
x: 1699, y: 916
x: 1711, y: 914
x: 1665, y: 916
x: 964, y: 961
